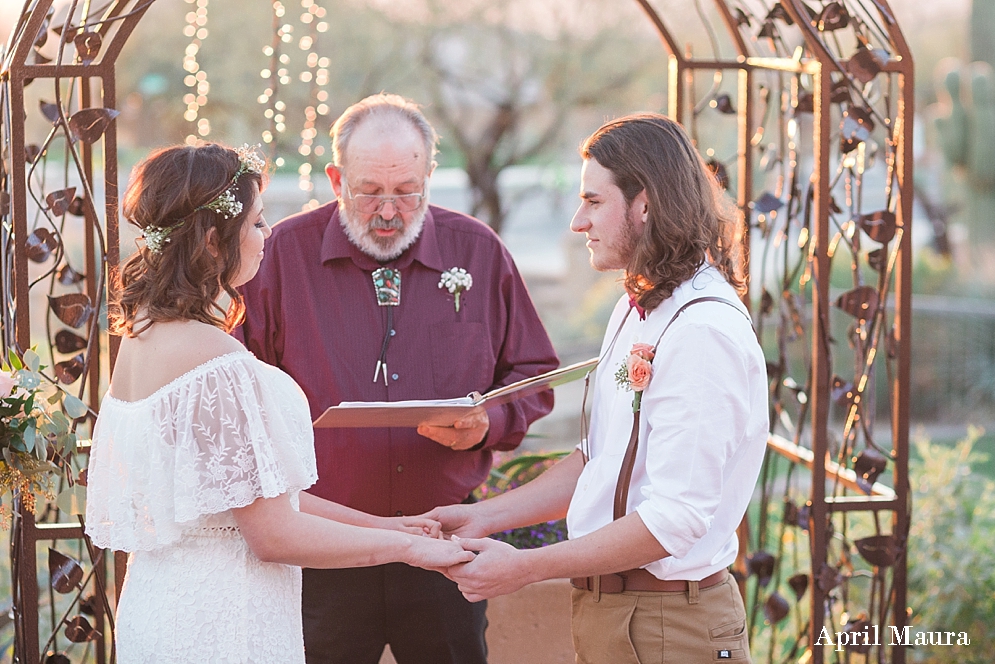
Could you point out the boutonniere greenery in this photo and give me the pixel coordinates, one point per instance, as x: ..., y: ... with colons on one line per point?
x: 456, y: 280
x: 634, y: 374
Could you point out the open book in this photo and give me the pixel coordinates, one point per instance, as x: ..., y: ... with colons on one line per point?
x: 444, y: 412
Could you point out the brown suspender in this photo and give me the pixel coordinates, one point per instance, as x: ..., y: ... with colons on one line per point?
x: 629, y: 460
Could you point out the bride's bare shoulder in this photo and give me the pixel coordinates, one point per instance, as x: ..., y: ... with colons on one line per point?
x: 163, y: 353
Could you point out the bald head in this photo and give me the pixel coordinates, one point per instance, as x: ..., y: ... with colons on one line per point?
x: 381, y: 119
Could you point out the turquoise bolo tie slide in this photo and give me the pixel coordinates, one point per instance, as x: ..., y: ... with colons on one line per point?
x: 387, y: 284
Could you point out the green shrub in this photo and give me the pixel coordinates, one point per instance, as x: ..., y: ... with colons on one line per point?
x: 952, y: 550
x: 514, y: 472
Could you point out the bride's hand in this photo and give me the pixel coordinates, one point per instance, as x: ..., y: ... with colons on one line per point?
x: 437, y: 554
x: 414, y: 525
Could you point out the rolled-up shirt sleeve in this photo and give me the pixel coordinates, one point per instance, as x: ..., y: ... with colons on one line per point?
x: 697, y: 408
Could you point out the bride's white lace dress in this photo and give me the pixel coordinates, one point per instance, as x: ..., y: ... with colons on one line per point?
x: 163, y: 476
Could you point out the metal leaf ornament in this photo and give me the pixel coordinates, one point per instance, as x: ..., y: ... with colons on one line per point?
x: 89, y: 605
x: 76, y: 207
x: 56, y: 658
x: 840, y: 93
x: 861, y: 302
x: 877, y: 260
x: 59, y: 201
x: 31, y: 153
x: 69, y: 371
x: 833, y: 17
x: 761, y: 564
x: 87, y: 46
x: 73, y: 309
x: 50, y: 111
x: 805, y: 102
x: 40, y: 245
x: 879, y: 550
x: 799, y: 584
x: 67, y: 342
x: 880, y: 226
x: 64, y: 572
x: 68, y: 276
x: 776, y: 608
x: 89, y: 124
x: 868, y: 466
x: 828, y: 578
x: 79, y: 630
x: 855, y: 128
x: 842, y: 392
x: 723, y: 104
x: 866, y: 64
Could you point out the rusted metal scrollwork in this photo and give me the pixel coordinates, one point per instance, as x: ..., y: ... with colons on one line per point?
x: 71, y: 54
x: 845, y: 70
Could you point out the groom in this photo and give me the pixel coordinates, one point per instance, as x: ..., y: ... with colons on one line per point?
x: 678, y: 425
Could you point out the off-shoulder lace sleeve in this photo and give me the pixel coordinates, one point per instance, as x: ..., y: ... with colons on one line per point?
x: 231, y: 431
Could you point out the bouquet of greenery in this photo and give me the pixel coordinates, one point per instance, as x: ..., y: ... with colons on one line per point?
x: 37, y: 440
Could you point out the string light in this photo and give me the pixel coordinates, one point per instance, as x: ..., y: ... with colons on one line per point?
x: 196, y: 78
x: 316, y: 76
x: 276, y: 75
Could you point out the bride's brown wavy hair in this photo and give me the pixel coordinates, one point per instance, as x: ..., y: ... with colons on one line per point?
x: 688, y: 218
x: 183, y: 281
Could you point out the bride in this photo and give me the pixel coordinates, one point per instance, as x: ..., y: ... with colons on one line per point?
x: 201, y: 452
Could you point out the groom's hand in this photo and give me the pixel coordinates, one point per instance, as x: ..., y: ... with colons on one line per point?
x: 460, y: 520
x: 498, y: 569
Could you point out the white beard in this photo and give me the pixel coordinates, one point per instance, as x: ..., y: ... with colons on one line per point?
x: 382, y: 249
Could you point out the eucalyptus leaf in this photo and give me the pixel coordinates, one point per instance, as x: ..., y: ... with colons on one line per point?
x: 60, y: 420
x: 32, y: 360
x: 67, y: 444
x: 17, y: 443
x: 74, y: 407
x: 73, y: 500
x: 55, y: 398
x: 27, y: 379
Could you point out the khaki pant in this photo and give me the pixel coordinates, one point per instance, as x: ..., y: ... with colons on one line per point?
x: 636, y: 627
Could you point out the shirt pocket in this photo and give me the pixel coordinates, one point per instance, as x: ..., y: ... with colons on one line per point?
x: 462, y: 359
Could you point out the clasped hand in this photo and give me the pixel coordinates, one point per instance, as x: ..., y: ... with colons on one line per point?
x: 494, y: 571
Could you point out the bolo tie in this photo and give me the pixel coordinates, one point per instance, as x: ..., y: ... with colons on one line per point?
x: 387, y: 285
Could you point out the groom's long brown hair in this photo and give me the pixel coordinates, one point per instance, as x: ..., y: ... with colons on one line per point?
x: 688, y: 221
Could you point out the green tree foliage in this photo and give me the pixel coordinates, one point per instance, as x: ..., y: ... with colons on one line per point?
x: 504, y: 83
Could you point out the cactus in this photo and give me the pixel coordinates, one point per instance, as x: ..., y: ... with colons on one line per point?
x: 983, y: 31
x: 964, y: 122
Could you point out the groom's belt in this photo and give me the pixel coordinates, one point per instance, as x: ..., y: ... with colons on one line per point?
x: 640, y: 579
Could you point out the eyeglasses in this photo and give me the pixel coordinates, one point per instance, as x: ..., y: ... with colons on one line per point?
x: 373, y: 203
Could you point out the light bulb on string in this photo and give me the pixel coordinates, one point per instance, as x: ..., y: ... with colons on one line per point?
x: 196, y: 78
x: 316, y: 76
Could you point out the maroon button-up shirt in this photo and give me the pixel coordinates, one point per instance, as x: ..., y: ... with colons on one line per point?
x: 312, y: 311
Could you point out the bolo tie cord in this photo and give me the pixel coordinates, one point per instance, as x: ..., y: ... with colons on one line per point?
x: 382, y: 362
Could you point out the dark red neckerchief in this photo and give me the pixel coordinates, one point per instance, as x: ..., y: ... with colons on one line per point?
x: 639, y: 309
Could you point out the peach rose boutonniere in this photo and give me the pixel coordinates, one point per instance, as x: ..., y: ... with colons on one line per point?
x: 635, y: 373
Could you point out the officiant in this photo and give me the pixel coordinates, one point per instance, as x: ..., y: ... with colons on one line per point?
x: 380, y: 296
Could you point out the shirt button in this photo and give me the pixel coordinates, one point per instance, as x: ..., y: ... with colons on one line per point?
x: 400, y: 468
x: 398, y: 513
x: 394, y: 376
x: 393, y: 332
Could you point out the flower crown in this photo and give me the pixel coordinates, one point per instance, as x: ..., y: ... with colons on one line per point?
x: 224, y: 203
